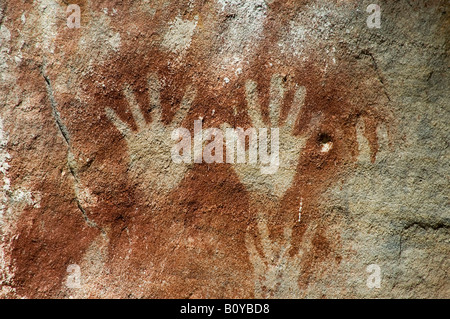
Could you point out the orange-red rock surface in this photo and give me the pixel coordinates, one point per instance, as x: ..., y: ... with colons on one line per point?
x: 87, y: 177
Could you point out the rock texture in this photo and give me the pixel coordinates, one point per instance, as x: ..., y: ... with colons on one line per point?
x: 87, y: 177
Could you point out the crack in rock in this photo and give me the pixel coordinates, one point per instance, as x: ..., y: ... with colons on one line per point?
x: 71, y: 162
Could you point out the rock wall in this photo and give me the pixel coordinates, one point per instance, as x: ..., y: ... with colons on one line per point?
x: 110, y: 189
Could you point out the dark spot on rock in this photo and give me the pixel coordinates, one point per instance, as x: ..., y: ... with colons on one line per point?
x: 324, y: 138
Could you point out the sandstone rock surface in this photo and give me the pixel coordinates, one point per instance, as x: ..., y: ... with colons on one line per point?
x: 90, y: 191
